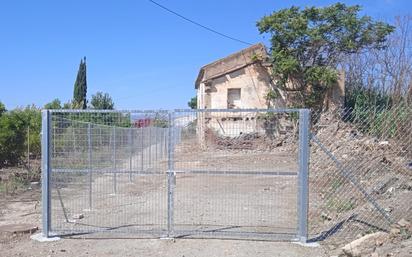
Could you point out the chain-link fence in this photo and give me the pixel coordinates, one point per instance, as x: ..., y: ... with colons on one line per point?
x: 360, y: 171
x: 185, y: 173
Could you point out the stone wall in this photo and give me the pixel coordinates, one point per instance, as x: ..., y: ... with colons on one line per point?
x: 253, y: 84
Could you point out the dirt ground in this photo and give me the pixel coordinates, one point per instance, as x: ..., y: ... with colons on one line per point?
x: 156, y: 247
x: 24, y: 208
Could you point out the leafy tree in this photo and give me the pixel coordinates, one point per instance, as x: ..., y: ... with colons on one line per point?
x: 308, y: 44
x: 55, y: 104
x: 2, y: 108
x: 102, y: 101
x: 193, y: 103
x: 67, y: 105
x: 80, y: 86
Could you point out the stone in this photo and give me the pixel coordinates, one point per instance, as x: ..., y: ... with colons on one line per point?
x: 325, y: 216
x: 384, y: 187
x: 395, y: 231
x: 78, y: 216
x: 403, y: 223
x: 407, y: 243
x: 19, y: 228
x: 406, y: 186
x: 380, y: 240
x: 365, y: 245
x: 390, y: 190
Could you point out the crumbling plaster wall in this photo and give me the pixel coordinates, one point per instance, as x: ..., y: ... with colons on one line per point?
x: 253, y: 84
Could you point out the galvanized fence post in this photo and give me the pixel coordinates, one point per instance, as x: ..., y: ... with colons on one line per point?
x: 130, y: 142
x: 142, y: 150
x: 89, y: 158
x: 46, y: 170
x: 114, y: 161
x: 170, y: 177
x: 304, y: 124
x: 165, y: 142
x: 150, y: 146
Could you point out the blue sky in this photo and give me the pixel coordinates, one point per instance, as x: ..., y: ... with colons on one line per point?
x: 144, y: 57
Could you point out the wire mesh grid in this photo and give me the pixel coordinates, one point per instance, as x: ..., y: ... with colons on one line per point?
x: 107, y: 172
x: 232, y: 177
x: 360, y: 171
x: 185, y: 173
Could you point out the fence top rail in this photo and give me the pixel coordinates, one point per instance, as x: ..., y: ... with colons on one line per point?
x: 240, y: 110
x: 281, y: 110
x: 99, y: 125
x: 103, y: 111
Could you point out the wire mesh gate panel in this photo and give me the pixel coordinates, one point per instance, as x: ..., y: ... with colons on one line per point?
x: 186, y: 173
x: 230, y: 179
x: 107, y: 172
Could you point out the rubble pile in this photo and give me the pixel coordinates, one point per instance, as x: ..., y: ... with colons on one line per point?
x: 279, y: 133
x: 251, y: 141
x: 379, y: 165
x: 396, y: 242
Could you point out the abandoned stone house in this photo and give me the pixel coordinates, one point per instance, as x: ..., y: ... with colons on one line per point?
x: 242, y: 81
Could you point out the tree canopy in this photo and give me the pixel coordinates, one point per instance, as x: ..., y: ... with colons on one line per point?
x: 193, y: 103
x: 55, y: 104
x: 80, y: 87
x: 308, y: 44
x: 102, y: 101
x: 2, y: 108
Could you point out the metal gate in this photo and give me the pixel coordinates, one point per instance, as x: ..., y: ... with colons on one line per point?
x: 230, y: 173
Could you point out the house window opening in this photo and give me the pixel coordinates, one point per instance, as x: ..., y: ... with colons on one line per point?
x: 233, y: 98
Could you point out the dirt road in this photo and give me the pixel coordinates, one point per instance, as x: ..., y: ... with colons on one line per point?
x: 25, y: 208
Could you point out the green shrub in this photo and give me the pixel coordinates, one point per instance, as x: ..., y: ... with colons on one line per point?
x: 377, y: 113
x: 14, y: 126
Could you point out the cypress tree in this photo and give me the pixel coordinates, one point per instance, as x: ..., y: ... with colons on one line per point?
x: 80, y: 86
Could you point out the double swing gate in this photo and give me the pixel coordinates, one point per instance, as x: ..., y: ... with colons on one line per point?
x: 183, y: 173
